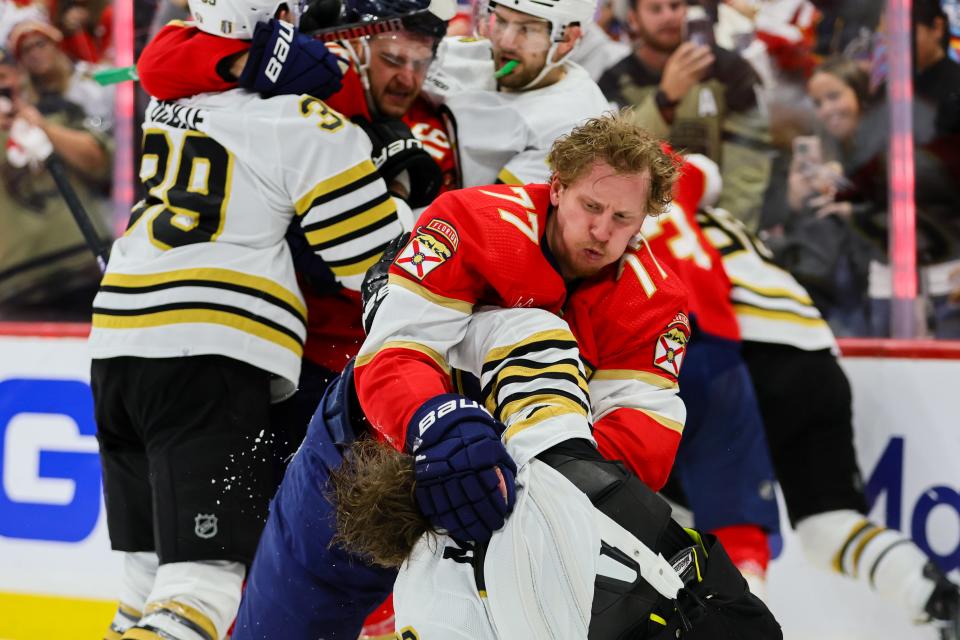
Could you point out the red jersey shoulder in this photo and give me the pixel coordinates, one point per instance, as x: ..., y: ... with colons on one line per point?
x: 483, y: 245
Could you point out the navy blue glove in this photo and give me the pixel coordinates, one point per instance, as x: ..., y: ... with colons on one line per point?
x: 457, y: 450
x: 283, y: 61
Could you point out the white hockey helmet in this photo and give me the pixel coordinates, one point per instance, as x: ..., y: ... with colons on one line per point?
x: 237, y: 18
x: 559, y: 13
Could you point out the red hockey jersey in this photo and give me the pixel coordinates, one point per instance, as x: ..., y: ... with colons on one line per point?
x: 485, y: 246
x: 677, y: 240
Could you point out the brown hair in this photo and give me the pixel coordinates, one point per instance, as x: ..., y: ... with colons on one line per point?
x: 617, y: 140
x: 849, y: 73
x: 375, y: 508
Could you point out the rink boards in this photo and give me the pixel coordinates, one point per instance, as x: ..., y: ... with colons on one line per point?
x: 57, y: 574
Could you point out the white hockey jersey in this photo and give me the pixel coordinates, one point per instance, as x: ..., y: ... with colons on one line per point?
x: 771, y: 306
x: 203, y: 267
x: 504, y: 135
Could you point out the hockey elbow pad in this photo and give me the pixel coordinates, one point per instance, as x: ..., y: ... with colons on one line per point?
x: 283, y: 61
x: 395, y: 151
x: 464, y: 477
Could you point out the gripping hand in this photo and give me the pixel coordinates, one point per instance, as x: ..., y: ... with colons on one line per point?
x: 396, y: 151
x: 283, y: 61
x: 464, y: 478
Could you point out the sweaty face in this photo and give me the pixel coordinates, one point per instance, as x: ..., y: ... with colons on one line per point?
x: 659, y: 23
x: 398, y: 65
x: 520, y: 37
x: 595, y: 218
x: 836, y: 104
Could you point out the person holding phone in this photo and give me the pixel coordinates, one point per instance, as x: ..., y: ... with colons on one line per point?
x: 700, y: 97
x: 46, y: 270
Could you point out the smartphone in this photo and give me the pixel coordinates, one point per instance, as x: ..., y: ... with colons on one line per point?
x: 699, y: 27
x: 807, y: 150
x: 6, y: 100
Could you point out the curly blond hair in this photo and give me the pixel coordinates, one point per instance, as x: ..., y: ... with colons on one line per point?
x: 615, y: 138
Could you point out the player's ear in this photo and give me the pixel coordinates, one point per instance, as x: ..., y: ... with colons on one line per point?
x: 570, y: 36
x: 555, y: 188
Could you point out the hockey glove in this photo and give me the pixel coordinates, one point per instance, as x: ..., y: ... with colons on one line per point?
x: 457, y: 452
x: 395, y: 151
x: 374, y: 290
x: 283, y: 61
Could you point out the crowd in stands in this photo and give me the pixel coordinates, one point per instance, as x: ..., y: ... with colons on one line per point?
x: 787, y: 96
x: 51, y: 107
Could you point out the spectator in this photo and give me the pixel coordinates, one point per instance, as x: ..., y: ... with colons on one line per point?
x: 88, y: 32
x: 54, y: 76
x: 843, y: 180
x: 46, y: 270
x: 700, y: 97
x: 937, y: 78
x: 13, y: 12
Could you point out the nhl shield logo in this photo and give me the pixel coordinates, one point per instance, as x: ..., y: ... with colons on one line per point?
x: 205, y: 525
x: 672, y: 345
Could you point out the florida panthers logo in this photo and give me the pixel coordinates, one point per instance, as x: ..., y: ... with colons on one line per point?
x: 672, y: 345
x: 432, y: 245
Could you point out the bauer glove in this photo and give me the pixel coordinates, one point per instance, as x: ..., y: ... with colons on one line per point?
x: 283, y: 61
x: 457, y: 454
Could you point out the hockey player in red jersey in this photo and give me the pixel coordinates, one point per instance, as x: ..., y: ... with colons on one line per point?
x: 568, y: 246
x: 540, y: 244
x: 723, y: 457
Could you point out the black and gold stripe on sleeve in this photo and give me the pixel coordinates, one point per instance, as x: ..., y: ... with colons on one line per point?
x: 539, y: 372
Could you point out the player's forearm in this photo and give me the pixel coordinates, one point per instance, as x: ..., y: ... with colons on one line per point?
x: 645, y: 444
x: 393, y: 384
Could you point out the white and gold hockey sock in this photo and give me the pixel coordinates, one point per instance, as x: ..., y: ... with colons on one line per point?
x: 139, y: 572
x: 172, y: 619
x: 191, y: 601
x: 887, y: 560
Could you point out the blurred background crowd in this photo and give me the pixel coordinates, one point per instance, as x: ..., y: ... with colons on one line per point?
x: 797, y: 116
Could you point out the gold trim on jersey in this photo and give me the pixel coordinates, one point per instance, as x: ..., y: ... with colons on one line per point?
x: 356, y: 222
x: 405, y: 344
x: 781, y: 316
x: 333, y: 183
x: 463, y: 307
x: 205, y: 316
x: 662, y: 420
x: 508, y: 178
x: 630, y: 374
x: 211, y: 274
x: 553, y: 404
x: 772, y: 292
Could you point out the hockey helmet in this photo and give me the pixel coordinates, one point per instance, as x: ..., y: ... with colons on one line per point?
x: 238, y: 18
x: 427, y: 17
x: 559, y: 13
